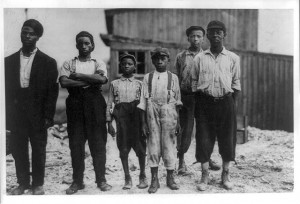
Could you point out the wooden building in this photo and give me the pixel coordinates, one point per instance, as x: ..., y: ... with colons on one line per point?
x: 267, y: 79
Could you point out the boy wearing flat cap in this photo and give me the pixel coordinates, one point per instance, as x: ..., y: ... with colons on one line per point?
x: 125, y: 93
x: 183, y: 65
x: 31, y: 91
x: 160, y: 101
x: 216, y: 83
x: 83, y: 76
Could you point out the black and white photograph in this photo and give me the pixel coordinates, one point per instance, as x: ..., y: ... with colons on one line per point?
x: 168, y: 101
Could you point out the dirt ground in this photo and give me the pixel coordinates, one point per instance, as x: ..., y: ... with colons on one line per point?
x: 263, y: 164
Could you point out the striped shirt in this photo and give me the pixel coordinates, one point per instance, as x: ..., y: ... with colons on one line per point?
x: 216, y: 76
x: 159, y: 90
x: 183, y: 65
x: 123, y: 90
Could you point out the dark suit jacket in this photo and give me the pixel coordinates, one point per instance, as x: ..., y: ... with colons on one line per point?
x: 42, y: 91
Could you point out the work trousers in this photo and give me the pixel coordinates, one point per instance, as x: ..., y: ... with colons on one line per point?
x: 86, y: 121
x: 129, y: 132
x: 23, y: 132
x: 215, y: 119
x: 187, y: 120
x: 162, y: 121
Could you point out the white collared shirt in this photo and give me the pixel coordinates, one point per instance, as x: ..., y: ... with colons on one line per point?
x: 159, y: 90
x: 216, y: 76
x: 25, y: 68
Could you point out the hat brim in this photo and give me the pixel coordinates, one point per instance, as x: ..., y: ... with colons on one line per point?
x: 159, y: 54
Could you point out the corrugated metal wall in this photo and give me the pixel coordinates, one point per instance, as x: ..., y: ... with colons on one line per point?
x: 170, y: 24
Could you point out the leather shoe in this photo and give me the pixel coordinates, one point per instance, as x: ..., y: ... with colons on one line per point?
x: 19, y: 190
x: 143, y: 182
x: 104, y: 186
x: 74, y: 188
x: 128, y: 183
x: 38, y: 190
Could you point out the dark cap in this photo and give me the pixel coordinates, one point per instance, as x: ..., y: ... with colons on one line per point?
x: 160, y: 51
x: 35, y: 25
x: 127, y: 55
x: 85, y: 34
x: 190, y: 29
x: 216, y: 24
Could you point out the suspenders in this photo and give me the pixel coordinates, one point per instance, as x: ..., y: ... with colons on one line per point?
x: 168, y: 86
x: 73, y: 65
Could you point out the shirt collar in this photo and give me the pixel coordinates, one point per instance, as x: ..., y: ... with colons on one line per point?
x: 77, y: 58
x: 31, y: 53
x: 160, y: 73
x: 224, y: 51
x: 188, y: 52
x: 125, y: 78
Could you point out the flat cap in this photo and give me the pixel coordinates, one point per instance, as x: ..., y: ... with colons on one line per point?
x: 190, y: 29
x: 160, y: 51
x: 216, y: 24
x: 127, y: 55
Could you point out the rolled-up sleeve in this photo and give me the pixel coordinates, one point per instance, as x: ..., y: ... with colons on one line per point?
x: 144, y: 94
x: 66, y: 69
x: 236, y: 73
x: 195, y: 73
x: 176, y: 90
x: 101, y: 68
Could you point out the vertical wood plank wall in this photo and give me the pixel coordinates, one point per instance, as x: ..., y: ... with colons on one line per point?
x: 267, y: 90
x: 169, y: 25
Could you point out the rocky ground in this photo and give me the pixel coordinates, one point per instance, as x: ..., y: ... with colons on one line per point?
x: 263, y: 164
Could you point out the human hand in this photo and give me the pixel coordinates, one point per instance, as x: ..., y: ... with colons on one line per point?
x: 145, y: 130
x: 178, y: 129
x: 75, y: 76
x: 111, y: 129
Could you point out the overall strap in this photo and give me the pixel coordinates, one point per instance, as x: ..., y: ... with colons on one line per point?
x: 95, y: 63
x: 169, y: 86
x: 73, y: 65
x: 150, y: 83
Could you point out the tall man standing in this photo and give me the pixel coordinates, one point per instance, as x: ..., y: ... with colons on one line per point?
x: 216, y: 81
x: 31, y: 91
x: 183, y: 64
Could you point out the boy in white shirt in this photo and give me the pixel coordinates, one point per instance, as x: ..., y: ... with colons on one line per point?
x: 86, y: 107
x: 160, y: 99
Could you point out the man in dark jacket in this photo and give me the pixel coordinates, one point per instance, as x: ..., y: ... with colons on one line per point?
x: 31, y: 91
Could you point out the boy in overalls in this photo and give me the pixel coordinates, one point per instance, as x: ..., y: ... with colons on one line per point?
x: 85, y: 107
x: 161, y: 100
x: 125, y: 94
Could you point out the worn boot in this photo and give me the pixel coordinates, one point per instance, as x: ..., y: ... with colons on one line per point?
x: 225, y: 180
x: 104, y: 186
x: 143, y: 182
x: 170, y: 180
x: 38, y: 190
x: 182, y: 167
x: 19, y: 190
x: 154, y: 180
x: 214, y: 166
x: 128, y: 182
x: 204, y: 181
x: 74, y: 188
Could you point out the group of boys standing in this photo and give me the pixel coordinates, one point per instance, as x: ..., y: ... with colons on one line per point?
x: 156, y: 115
